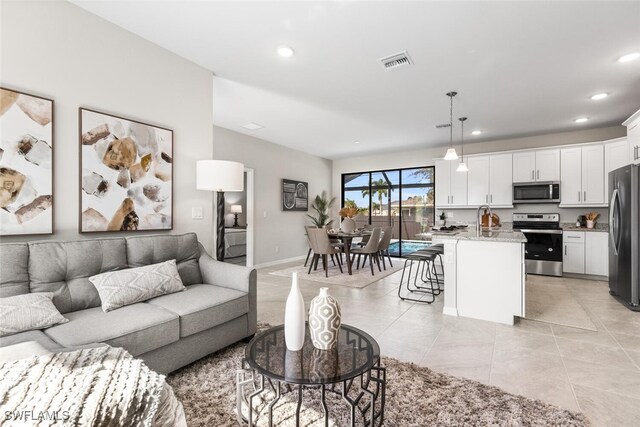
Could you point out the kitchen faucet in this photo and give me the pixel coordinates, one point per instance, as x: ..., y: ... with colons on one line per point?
x: 479, y: 218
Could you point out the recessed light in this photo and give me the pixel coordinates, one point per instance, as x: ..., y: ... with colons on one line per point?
x: 598, y: 96
x: 476, y: 132
x: 356, y: 142
x: 252, y: 126
x: 285, y: 51
x: 581, y: 120
x: 629, y: 57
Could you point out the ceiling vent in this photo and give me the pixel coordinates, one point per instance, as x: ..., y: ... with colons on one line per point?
x: 397, y: 60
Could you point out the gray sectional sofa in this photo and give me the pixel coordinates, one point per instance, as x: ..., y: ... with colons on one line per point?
x: 217, y: 309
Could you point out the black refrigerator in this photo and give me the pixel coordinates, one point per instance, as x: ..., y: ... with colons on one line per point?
x: 624, y: 235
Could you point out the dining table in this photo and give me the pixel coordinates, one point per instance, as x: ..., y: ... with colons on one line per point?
x: 347, y: 240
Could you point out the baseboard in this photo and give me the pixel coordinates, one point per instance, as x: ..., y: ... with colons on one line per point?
x: 280, y: 261
x: 449, y: 311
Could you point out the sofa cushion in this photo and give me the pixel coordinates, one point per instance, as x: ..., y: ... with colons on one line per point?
x: 21, y: 313
x: 125, y: 287
x: 145, y: 250
x: 14, y: 273
x: 138, y: 328
x: 64, y: 268
x: 37, y: 336
x: 201, y: 307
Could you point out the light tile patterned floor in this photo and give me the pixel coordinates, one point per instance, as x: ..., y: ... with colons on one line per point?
x: 597, y: 373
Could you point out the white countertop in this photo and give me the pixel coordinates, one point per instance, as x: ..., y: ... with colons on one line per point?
x: 495, y: 235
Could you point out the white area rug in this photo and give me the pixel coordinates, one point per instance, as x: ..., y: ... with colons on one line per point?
x: 359, y: 279
x: 549, y: 300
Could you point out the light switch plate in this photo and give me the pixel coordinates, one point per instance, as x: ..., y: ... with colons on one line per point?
x: 197, y: 213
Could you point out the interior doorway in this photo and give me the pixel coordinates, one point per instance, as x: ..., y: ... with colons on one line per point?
x: 239, y: 223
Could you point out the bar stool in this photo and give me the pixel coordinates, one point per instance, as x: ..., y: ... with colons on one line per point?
x: 423, y: 260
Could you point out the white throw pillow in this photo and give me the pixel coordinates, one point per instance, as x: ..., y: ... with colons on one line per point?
x: 124, y: 287
x: 25, y: 312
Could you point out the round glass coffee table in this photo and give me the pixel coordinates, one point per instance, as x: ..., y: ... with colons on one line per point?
x: 351, y: 371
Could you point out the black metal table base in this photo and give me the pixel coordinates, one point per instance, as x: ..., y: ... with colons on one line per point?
x: 368, y: 399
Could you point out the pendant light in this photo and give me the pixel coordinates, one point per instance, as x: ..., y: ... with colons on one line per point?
x: 462, y: 167
x: 451, y: 152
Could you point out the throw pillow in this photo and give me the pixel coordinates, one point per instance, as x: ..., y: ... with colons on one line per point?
x: 124, y: 287
x: 21, y: 313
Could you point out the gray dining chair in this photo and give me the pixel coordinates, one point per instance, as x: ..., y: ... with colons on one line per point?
x: 383, y: 247
x: 306, y: 232
x: 370, y: 250
x: 322, y: 248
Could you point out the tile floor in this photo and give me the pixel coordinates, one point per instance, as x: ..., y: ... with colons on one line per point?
x: 597, y: 373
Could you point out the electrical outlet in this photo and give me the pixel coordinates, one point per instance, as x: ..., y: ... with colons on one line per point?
x: 264, y: 214
x: 277, y: 248
x: 197, y: 213
x: 449, y: 214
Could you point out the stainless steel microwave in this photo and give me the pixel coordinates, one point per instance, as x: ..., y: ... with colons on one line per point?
x: 536, y: 192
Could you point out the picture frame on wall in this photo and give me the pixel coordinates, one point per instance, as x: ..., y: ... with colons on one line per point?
x: 26, y: 163
x: 126, y: 174
x: 295, y: 195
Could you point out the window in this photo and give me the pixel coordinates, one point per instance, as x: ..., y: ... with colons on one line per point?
x: 400, y: 198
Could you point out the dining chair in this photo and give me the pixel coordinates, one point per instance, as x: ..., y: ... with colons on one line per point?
x: 370, y: 250
x: 383, y: 247
x: 306, y: 232
x: 322, y: 248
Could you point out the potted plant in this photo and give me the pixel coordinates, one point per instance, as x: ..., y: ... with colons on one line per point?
x: 321, y: 205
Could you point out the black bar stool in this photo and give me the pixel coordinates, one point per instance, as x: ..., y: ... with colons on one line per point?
x: 422, y: 261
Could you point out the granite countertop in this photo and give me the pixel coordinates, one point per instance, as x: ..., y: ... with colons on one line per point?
x: 495, y: 235
x: 600, y: 227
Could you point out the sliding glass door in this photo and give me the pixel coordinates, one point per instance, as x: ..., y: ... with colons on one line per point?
x: 399, y: 198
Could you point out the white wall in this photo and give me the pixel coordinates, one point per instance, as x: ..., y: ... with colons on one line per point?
x: 424, y: 157
x: 272, y: 163
x: 59, y: 51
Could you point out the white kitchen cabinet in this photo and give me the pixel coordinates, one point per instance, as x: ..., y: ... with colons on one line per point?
x: 478, y: 180
x: 451, y: 186
x: 571, y: 176
x: 524, y: 166
x: 500, y: 180
x: 582, y: 176
x: 536, y: 166
x: 490, y: 180
x: 596, y: 253
x: 633, y: 136
x: 573, y: 252
x: 593, y: 175
x: 548, y: 165
x: 616, y: 155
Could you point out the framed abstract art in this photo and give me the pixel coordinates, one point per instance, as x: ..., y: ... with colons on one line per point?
x: 26, y: 164
x: 126, y: 174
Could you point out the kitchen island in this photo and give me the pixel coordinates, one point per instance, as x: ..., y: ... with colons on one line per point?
x: 484, y: 274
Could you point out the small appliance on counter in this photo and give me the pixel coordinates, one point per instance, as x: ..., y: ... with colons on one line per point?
x: 495, y: 220
x: 543, y: 250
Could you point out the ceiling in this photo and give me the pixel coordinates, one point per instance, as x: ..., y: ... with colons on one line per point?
x: 521, y: 68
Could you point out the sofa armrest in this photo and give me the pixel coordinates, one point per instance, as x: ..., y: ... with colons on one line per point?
x: 232, y: 276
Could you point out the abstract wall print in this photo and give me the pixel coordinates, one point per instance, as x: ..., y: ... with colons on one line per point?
x: 126, y: 174
x: 26, y: 164
x: 295, y: 195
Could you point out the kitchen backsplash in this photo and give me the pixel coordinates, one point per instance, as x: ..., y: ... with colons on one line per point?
x: 567, y: 215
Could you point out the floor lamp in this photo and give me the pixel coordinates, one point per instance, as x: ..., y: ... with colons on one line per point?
x: 219, y: 176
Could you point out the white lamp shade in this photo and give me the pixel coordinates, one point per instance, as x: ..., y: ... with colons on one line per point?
x: 236, y: 208
x: 451, y: 154
x: 462, y: 167
x: 219, y: 175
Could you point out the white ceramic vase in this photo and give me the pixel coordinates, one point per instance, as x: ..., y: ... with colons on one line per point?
x: 590, y: 224
x: 348, y: 225
x: 294, y: 316
x: 324, y: 320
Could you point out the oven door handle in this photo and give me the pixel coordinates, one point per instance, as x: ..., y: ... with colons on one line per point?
x: 542, y: 231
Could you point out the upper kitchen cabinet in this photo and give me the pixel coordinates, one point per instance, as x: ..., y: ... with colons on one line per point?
x: 582, y: 178
x: 616, y: 155
x: 536, y: 166
x: 633, y: 137
x: 490, y: 181
x: 451, y: 186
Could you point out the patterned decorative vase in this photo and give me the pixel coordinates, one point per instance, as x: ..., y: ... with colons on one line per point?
x: 294, y: 314
x: 348, y: 225
x: 324, y: 320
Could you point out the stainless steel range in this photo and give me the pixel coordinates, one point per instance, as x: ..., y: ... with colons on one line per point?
x: 543, y: 250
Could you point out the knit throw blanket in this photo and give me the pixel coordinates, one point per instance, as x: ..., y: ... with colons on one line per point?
x: 101, y: 386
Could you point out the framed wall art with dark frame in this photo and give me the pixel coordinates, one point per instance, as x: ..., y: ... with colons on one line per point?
x: 26, y: 163
x: 295, y: 195
x: 126, y: 174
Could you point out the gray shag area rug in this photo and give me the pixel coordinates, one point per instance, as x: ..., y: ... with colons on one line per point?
x: 416, y: 396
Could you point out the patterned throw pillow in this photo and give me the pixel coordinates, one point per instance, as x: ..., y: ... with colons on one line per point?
x: 25, y: 312
x: 124, y: 287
